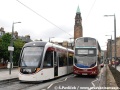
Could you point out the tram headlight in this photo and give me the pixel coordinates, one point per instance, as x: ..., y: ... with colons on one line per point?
x: 37, y: 70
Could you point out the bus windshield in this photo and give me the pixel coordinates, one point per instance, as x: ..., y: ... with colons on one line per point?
x: 31, y: 56
x: 85, y: 57
x: 85, y: 62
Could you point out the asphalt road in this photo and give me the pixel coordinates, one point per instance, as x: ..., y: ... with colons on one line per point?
x: 79, y: 82
x: 73, y: 83
x: 69, y: 82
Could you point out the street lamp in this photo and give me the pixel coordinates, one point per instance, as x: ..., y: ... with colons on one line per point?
x: 71, y: 43
x: 11, y: 46
x: 50, y: 38
x: 114, y: 35
x: 110, y: 46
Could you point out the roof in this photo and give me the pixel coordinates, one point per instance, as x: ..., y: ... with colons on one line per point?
x: 78, y: 10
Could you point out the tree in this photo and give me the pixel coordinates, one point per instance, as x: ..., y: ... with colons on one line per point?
x: 0, y: 48
x: 5, y: 42
x: 18, y: 44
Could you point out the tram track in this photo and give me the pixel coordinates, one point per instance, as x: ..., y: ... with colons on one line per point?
x: 15, y: 84
x: 8, y: 81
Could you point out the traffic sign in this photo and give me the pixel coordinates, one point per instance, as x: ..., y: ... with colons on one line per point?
x: 10, y: 48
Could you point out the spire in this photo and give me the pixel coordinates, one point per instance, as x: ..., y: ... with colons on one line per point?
x: 78, y: 10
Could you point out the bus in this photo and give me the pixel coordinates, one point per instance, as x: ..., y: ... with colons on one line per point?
x: 41, y: 61
x: 87, y: 56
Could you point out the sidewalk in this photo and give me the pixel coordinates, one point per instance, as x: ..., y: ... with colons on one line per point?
x: 110, y: 79
x: 4, y: 74
x: 113, y: 77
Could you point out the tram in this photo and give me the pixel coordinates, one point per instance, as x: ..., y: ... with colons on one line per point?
x: 87, y: 56
x: 41, y: 61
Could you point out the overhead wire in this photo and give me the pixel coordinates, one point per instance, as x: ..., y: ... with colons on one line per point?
x: 42, y: 17
x: 90, y: 9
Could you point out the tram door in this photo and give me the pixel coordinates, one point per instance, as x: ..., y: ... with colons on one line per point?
x: 55, y: 65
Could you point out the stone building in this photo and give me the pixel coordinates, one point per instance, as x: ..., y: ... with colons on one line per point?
x: 16, y: 34
x: 25, y: 38
x: 117, y: 48
x: 65, y: 44
x: 2, y: 32
x: 78, y: 32
x: 111, y: 46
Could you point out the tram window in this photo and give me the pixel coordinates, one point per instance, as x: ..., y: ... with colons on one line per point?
x: 70, y: 59
x: 62, y: 59
x: 48, y: 61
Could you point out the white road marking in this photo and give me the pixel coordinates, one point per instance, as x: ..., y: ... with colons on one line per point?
x: 55, y: 83
x: 49, y: 86
x: 99, y: 77
x: 94, y: 81
x: 59, y: 82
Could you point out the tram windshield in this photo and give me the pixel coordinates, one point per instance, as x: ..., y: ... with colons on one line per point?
x: 85, y: 58
x: 31, y: 56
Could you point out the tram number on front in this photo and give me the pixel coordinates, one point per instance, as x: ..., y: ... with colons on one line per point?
x: 27, y: 70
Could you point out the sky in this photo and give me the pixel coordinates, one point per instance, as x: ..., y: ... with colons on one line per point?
x: 44, y: 19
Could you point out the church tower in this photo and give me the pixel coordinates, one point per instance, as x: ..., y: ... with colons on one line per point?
x: 78, y: 32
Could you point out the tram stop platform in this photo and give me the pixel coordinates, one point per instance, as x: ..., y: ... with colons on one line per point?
x: 5, y: 74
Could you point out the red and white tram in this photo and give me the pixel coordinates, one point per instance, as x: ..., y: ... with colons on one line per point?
x: 44, y: 60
